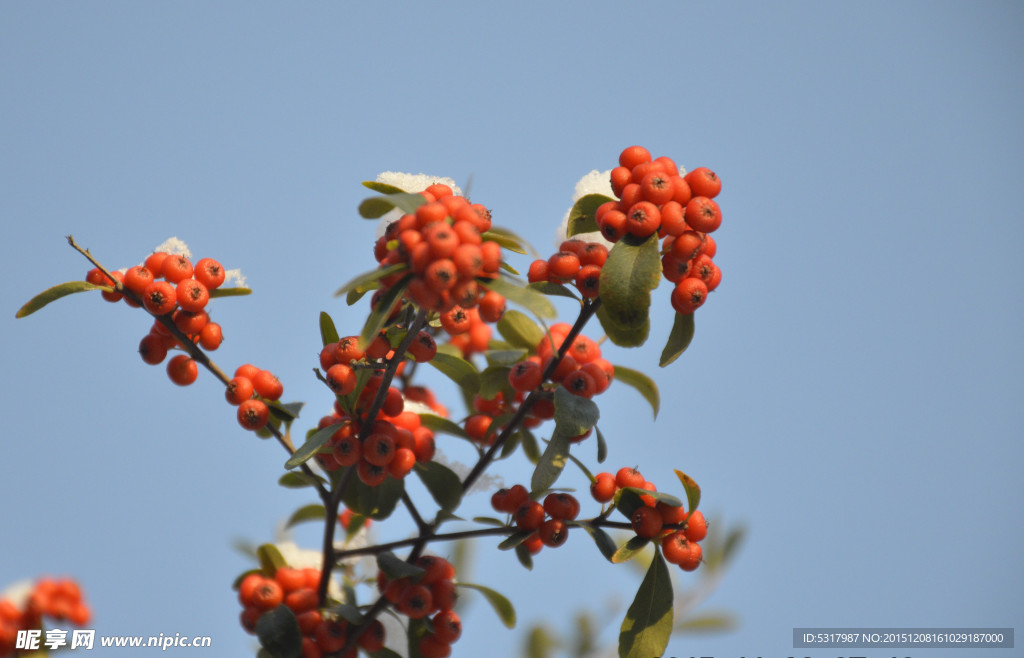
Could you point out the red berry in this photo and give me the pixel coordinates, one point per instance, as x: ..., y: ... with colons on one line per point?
x: 253, y: 414
x: 553, y: 532
x: 688, y: 295
x: 209, y: 272
x: 703, y: 214
x: 704, y: 182
x: 696, y: 526
x: 192, y: 296
x: 182, y: 370
x: 159, y: 297
x: 176, y: 268
x: 633, y: 156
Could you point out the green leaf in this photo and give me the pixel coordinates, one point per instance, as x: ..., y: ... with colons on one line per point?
x: 524, y: 556
x: 692, y: 490
x: 385, y: 305
x: 298, y: 480
x: 311, y: 446
x: 458, y: 370
x: 55, y: 293
x: 524, y: 296
x: 602, y: 446
x: 574, y: 414
x: 229, y: 292
x: 507, y: 239
x: 501, y: 605
x: 376, y: 207
x: 632, y: 271
x: 707, y: 623
x: 581, y: 217
x: 519, y: 330
x: 279, y: 633
x: 383, y: 188
x: 582, y: 467
x: 368, y: 280
x: 648, y: 624
x: 540, y: 643
x: 515, y: 539
x: 494, y: 380
x: 504, y: 359
x: 489, y: 520
x: 443, y: 425
x: 311, y: 512
x: 328, y: 332
x: 551, y: 462
x: 603, y: 540
x: 270, y: 559
x: 642, y: 383
x: 375, y: 502
x: 394, y: 567
x: 286, y: 411
x: 630, y: 549
x: 553, y: 289
x: 529, y: 443
x: 679, y: 339
x: 443, y: 483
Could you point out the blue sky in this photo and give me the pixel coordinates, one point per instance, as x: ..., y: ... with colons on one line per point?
x: 852, y: 392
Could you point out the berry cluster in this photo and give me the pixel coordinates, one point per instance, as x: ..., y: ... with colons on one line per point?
x: 431, y: 595
x: 297, y: 589
x: 652, y: 198
x: 442, y: 245
x: 249, y: 389
x: 58, y: 599
x: 170, y: 284
x: 576, y: 262
x: 547, y: 521
x: 582, y: 371
x: 678, y: 532
x: 397, y: 439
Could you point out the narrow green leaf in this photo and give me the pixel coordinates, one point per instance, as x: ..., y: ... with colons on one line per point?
x: 581, y: 217
x: 375, y: 502
x: 270, y: 559
x: 394, y: 567
x: 328, y: 332
x: 298, y: 480
x: 514, y: 539
x: 553, y: 289
x: 376, y: 207
x: 55, y: 293
x: 458, y: 370
x: 279, y: 633
x: 679, y: 339
x: 603, y: 540
x: 524, y: 296
x: 707, y: 623
x: 501, y: 605
x: 311, y: 512
x: 551, y: 462
x: 286, y: 411
x: 630, y: 549
x: 692, y: 490
x: 348, y: 612
x: 368, y: 280
x: 443, y: 483
x: 385, y: 306
x: 311, y: 446
x: 632, y: 271
x: 504, y: 359
x: 507, y: 239
x: 519, y: 330
x: 574, y: 414
x: 602, y: 446
x: 229, y: 292
x: 582, y: 467
x: 524, y: 556
x: 494, y: 380
x: 530, y: 447
x: 443, y: 425
x: 489, y: 520
x: 383, y: 188
x: 648, y: 624
x: 661, y: 496
x: 540, y: 643
x: 642, y: 383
